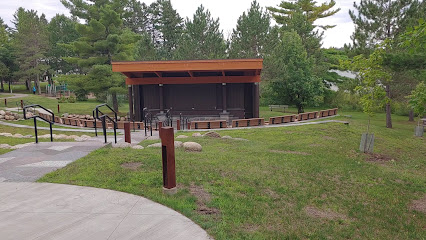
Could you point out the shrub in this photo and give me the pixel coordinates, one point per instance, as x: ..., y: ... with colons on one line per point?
x: 71, y: 99
x: 62, y: 99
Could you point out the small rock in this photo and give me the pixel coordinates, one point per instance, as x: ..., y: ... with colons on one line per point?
x: 178, y: 144
x: 121, y: 145
x: 8, y: 113
x: 155, y: 145
x: 2, y: 116
x: 65, y: 115
x: 192, y: 147
x: 227, y: 137
x: 137, y: 147
x: 240, y: 139
x: 4, y: 146
x: 6, y: 117
x: 197, y: 135
x: 8, y: 134
x: 18, y: 135
x: 182, y: 136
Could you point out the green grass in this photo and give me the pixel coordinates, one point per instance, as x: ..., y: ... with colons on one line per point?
x: 83, y: 107
x: 261, y: 188
x: 22, y: 89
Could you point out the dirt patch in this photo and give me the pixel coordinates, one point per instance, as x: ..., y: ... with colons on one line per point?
x: 290, y: 152
x: 203, y: 198
x: 329, y: 138
x: 419, y: 205
x: 272, y: 193
x: 131, y: 165
x: 375, y: 157
x: 324, y: 214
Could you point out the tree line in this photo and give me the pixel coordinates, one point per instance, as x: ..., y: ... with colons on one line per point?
x: 297, y: 70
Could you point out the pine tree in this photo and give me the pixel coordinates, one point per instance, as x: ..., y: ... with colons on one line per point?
x: 31, y: 51
x: 202, y: 38
x: 137, y: 17
x: 103, y: 39
x: 170, y: 26
x: 250, y: 36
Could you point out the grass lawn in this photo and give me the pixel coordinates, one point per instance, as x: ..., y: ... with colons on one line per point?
x: 85, y: 107
x: 301, y: 182
x: 20, y: 88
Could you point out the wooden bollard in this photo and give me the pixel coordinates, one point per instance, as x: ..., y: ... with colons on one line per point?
x: 127, y: 135
x: 178, y: 124
x: 59, y: 109
x: 22, y: 104
x: 168, y: 157
x: 5, y: 102
x: 188, y: 126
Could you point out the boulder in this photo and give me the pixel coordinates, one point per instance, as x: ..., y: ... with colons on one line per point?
x: 240, y: 139
x: 82, y: 116
x: 192, y: 147
x: 197, y: 135
x: 2, y: 117
x: 4, y: 146
x: 8, y: 113
x: 11, y: 118
x: 2, y: 112
x: 212, y: 135
x: 6, y: 117
x: 18, y: 135
x: 88, y: 116
x: 226, y: 137
x: 7, y: 134
x: 181, y: 136
x: 121, y: 145
x: 155, y: 145
x: 178, y: 144
x: 65, y: 115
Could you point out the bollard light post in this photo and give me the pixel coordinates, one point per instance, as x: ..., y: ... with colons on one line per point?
x: 178, y: 124
x: 168, y: 158
x: 127, y: 135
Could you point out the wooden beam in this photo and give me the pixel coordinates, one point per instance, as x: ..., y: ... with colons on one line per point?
x: 193, y: 80
x: 193, y: 65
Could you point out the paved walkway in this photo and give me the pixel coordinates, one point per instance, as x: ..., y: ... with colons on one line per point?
x: 32, y: 162
x: 68, y: 129
x: 55, y: 211
x: 15, y: 95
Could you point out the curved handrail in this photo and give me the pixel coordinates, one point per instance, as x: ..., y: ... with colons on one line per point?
x: 38, y: 116
x: 96, y: 112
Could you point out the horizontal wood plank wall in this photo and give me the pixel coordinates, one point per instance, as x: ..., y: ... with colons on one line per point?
x: 192, y: 80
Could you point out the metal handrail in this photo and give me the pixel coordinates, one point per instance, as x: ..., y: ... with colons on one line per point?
x: 147, y: 118
x: 103, y: 117
x: 37, y: 116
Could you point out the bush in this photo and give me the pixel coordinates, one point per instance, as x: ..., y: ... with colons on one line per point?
x: 71, y: 99
x: 62, y: 99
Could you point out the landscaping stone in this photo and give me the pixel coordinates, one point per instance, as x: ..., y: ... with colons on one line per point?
x: 240, y: 139
x: 18, y: 135
x: 155, y: 145
x: 192, y: 147
x: 197, y: 135
x: 182, y: 136
x: 212, y: 135
x: 1, y: 117
x: 2, y: 112
x: 227, y: 137
x: 137, y: 147
x: 121, y: 145
x: 178, y: 144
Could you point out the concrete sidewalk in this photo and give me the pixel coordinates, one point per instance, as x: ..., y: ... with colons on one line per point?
x: 55, y: 211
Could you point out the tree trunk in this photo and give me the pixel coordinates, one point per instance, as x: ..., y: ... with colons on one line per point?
x: 388, y: 107
x: 2, y: 87
x: 27, y: 84
x: 411, y: 116
x: 300, y: 109
x: 114, y: 102
x: 38, y: 84
x: 9, y: 85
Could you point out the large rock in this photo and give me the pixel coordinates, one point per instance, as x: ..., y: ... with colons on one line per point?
x: 137, y: 147
x: 11, y: 118
x: 192, y: 147
x: 2, y: 112
x: 181, y: 136
x: 212, y: 135
x: 121, y: 145
x: 2, y: 117
x: 226, y: 137
x: 197, y: 135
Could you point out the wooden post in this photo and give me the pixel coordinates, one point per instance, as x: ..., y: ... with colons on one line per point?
x: 59, y: 109
x: 224, y: 103
x: 130, y: 103
x: 188, y: 125
x: 127, y: 135
x: 256, y: 100
x: 168, y: 157
x: 160, y: 94
x: 178, y: 124
x: 5, y: 102
x: 22, y: 104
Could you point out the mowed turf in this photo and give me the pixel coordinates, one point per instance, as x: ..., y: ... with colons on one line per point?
x: 301, y: 182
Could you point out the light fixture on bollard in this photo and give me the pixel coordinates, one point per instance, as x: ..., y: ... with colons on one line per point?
x: 168, y: 157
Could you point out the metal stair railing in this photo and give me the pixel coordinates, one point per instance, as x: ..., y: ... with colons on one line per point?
x: 147, y: 119
x: 98, y: 114
x: 42, y: 118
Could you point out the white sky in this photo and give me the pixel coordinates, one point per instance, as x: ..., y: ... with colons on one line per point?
x: 228, y: 12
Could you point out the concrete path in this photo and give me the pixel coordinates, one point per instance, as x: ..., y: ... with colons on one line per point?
x: 32, y: 162
x: 14, y: 95
x: 55, y: 211
x: 68, y: 129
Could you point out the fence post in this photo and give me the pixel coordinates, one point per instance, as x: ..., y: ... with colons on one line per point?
x: 127, y: 135
x: 168, y: 158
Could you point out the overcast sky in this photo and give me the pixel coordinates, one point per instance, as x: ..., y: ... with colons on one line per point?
x: 228, y: 12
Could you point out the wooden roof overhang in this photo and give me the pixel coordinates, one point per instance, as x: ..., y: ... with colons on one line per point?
x: 191, y: 71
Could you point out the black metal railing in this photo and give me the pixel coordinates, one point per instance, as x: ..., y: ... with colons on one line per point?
x: 169, y: 118
x: 51, y: 122
x: 147, y: 120
x: 183, y: 121
x: 99, y: 115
